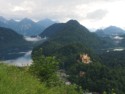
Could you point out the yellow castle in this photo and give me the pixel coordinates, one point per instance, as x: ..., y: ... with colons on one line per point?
x: 85, y: 58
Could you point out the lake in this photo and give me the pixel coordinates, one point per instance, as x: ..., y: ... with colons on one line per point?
x: 24, y: 60
x: 22, y: 57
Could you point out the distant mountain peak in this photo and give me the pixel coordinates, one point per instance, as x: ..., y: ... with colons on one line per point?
x: 2, y: 19
x: 113, y: 27
x: 46, y: 22
x: 73, y: 22
x: 109, y: 31
x: 47, y: 19
x: 26, y: 20
x: 26, y: 26
x: 12, y: 20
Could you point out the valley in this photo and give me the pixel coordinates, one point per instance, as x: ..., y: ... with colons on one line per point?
x: 87, y: 59
x: 62, y: 47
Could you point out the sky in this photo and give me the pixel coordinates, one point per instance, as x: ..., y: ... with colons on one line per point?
x: 91, y: 13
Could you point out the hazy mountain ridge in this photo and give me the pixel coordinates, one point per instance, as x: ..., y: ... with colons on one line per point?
x: 26, y: 26
x: 110, y: 31
x: 46, y: 22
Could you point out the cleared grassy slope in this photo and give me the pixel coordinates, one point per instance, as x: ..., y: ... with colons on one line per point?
x: 14, y: 80
x: 17, y: 81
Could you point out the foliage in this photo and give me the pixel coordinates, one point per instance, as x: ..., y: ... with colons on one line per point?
x: 113, y: 58
x: 45, y: 68
x: 97, y: 77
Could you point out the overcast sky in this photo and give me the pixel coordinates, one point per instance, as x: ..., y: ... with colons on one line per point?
x: 90, y: 13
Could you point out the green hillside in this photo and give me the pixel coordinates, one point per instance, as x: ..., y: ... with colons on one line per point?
x: 9, y: 38
x: 14, y: 80
x: 11, y: 42
x: 68, y: 40
x: 73, y: 32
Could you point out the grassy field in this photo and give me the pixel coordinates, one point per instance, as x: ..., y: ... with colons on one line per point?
x: 15, y: 80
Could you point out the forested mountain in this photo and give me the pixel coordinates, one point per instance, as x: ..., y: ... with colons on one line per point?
x: 70, y: 39
x: 67, y: 40
x: 74, y: 47
x: 110, y: 31
x: 11, y: 41
x: 73, y: 32
x: 8, y: 38
x: 26, y: 26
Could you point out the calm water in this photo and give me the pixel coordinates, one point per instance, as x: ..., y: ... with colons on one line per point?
x: 21, y: 61
x: 23, y: 58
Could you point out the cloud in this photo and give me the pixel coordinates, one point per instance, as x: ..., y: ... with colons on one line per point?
x: 26, y: 7
x: 97, y: 14
x: 32, y: 39
x: 17, y: 8
x: 61, y: 10
x: 39, y: 9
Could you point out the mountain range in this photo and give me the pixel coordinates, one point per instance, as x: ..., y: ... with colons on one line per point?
x: 58, y: 35
x: 69, y: 45
x: 72, y: 32
x: 26, y: 27
x: 68, y: 40
x: 110, y: 31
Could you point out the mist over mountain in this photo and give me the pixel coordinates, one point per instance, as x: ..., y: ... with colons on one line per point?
x: 26, y: 26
